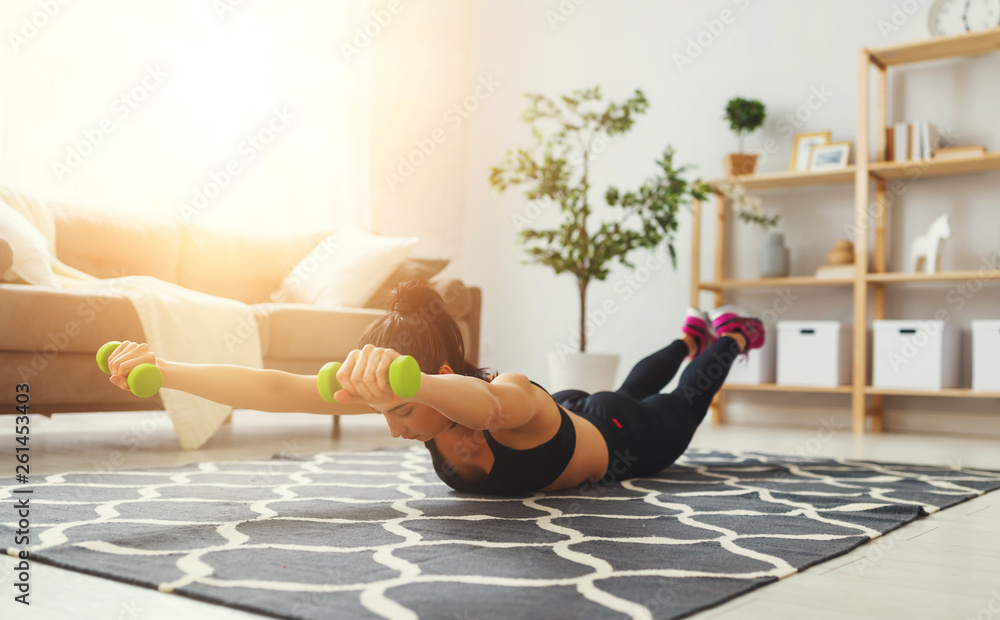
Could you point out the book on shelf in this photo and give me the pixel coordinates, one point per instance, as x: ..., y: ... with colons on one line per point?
x: 960, y: 152
x: 912, y: 141
x: 836, y: 271
x: 901, y: 142
x: 929, y: 140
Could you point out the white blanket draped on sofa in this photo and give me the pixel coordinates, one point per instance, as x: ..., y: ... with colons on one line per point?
x: 179, y: 324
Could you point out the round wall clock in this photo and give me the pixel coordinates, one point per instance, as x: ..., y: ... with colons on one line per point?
x: 952, y: 17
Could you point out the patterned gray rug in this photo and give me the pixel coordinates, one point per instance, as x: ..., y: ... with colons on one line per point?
x: 375, y: 534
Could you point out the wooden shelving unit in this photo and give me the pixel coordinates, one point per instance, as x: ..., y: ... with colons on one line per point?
x: 891, y: 170
x: 934, y: 49
x: 784, y: 180
x: 943, y: 277
x: 793, y: 281
x: 866, y: 401
x: 773, y: 387
x: 945, y: 393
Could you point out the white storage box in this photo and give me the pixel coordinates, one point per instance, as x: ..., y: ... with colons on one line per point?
x: 915, y: 355
x: 814, y: 353
x: 986, y: 356
x: 758, y: 366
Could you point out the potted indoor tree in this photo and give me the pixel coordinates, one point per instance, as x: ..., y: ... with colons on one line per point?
x: 744, y: 116
x: 589, y: 238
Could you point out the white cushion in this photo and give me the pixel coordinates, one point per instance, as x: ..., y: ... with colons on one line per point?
x: 32, y: 261
x: 345, y: 269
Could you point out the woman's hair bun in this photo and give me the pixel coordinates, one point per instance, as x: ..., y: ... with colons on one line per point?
x: 417, y: 323
x: 412, y: 295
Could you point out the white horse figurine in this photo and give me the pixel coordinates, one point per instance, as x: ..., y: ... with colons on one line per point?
x: 926, y: 247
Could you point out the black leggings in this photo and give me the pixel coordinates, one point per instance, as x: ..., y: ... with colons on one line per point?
x: 647, y: 431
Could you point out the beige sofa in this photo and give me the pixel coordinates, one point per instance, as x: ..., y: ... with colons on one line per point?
x: 48, y: 336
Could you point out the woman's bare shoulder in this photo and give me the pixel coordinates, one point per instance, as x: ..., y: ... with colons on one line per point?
x: 530, y: 416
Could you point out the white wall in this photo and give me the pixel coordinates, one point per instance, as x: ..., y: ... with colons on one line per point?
x: 781, y: 52
x: 139, y: 105
x: 419, y: 72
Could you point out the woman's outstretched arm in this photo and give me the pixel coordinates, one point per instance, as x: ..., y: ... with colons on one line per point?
x: 236, y: 386
x: 248, y: 388
x: 509, y: 402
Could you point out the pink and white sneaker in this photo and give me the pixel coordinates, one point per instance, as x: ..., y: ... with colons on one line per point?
x: 698, y: 325
x: 729, y: 318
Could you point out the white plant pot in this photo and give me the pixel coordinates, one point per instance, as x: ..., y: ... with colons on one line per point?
x: 590, y: 372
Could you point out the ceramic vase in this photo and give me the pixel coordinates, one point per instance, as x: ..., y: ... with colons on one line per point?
x: 772, y: 260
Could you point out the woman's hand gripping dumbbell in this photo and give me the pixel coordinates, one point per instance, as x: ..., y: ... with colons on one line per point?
x: 369, y: 375
x: 132, y: 365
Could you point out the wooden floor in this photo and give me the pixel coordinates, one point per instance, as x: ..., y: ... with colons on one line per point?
x: 943, y: 566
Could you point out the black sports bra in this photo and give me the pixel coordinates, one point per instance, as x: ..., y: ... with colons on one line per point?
x: 515, y: 472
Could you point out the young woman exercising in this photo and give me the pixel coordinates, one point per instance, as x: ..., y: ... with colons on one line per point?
x: 494, y: 434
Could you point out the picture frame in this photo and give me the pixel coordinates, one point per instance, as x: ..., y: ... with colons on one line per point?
x: 802, y: 149
x: 835, y: 156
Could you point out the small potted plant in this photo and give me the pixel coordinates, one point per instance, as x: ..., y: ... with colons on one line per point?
x: 569, y: 132
x: 744, y: 116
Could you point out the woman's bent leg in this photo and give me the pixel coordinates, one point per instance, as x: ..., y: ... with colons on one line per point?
x: 704, y: 376
x: 681, y: 412
x: 654, y: 372
x: 646, y: 435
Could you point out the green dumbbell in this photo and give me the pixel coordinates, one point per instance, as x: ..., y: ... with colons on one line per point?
x: 404, y: 378
x: 144, y: 380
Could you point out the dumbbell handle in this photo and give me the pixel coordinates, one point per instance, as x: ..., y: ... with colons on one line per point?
x: 144, y: 380
x: 404, y: 378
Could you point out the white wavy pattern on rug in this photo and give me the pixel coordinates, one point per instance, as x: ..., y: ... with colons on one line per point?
x: 375, y: 534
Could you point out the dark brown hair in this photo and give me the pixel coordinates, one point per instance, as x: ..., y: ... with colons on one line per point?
x: 417, y: 324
